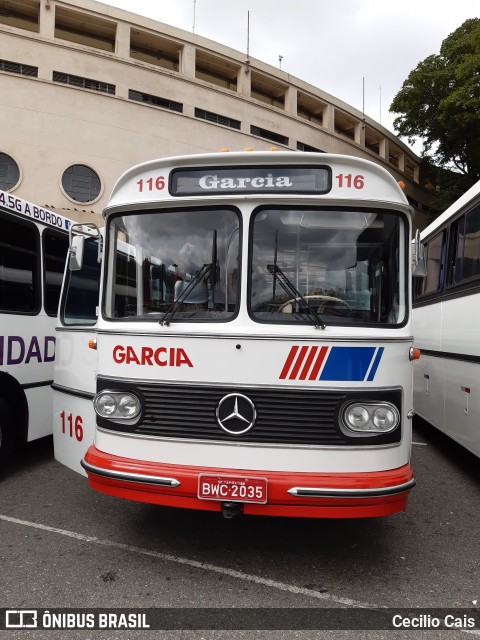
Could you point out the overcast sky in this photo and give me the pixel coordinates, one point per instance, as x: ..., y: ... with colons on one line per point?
x: 331, y: 44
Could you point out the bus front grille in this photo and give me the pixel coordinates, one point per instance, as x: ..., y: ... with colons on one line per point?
x: 283, y: 415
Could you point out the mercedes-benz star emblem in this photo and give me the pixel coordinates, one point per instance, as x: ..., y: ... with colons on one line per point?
x: 236, y: 414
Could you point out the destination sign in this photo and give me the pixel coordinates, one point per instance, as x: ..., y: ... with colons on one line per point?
x: 19, y: 206
x: 253, y: 179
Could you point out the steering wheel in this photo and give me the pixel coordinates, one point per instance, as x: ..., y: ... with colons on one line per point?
x: 326, y: 304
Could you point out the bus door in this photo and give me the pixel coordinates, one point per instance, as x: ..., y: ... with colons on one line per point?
x: 76, y: 361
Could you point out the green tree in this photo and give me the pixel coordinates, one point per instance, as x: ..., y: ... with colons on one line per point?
x: 439, y: 103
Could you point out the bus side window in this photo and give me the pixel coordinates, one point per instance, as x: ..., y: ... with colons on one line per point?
x: 471, y: 255
x: 466, y: 250
x: 55, y: 247
x: 19, y: 267
x: 82, y: 288
x: 435, y: 264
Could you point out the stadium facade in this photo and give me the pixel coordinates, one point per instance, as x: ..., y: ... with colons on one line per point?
x: 88, y: 90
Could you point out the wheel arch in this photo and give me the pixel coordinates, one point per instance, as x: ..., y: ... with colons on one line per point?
x: 14, y: 396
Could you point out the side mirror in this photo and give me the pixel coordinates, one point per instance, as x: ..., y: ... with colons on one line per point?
x: 77, y: 243
x: 419, y: 269
x: 77, y: 246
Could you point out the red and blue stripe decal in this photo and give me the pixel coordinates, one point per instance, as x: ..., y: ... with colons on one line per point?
x: 334, y: 364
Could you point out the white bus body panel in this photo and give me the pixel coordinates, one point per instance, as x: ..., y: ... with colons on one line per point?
x: 255, y: 361
x: 462, y: 406
x: 462, y: 379
x: 27, y: 354
x: 75, y: 368
x: 286, y: 458
x: 258, y: 363
x: 428, y: 371
x: 212, y: 362
x: 447, y: 390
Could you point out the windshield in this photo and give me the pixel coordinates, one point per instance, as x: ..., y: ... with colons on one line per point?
x: 347, y: 265
x: 179, y: 264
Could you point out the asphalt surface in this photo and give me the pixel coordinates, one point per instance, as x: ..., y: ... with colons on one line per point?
x: 63, y: 545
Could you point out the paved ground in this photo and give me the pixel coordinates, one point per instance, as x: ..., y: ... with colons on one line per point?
x: 63, y: 545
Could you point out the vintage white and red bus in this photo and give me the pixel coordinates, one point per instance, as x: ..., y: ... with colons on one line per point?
x: 252, y: 348
x: 33, y: 249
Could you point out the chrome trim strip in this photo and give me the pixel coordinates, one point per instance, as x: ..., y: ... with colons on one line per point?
x: 319, y: 492
x: 72, y: 392
x: 257, y: 445
x: 78, y: 328
x: 34, y: 385
x: 244, y: 385
x: 148, y: 333
x: 446, y: 355
x: 129, y: 477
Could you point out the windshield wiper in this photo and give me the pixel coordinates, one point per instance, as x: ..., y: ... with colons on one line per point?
x: 172, y: 310
x: 292, y: 291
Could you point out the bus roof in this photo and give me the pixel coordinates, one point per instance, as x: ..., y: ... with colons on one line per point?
x: 151, y: 182
x: 32, y: 211
x: 452, y: 210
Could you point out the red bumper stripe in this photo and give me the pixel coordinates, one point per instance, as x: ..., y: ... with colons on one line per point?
x: 321, y: 495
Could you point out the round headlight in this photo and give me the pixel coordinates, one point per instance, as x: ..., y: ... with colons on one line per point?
x: 117, y: 405
x: 384, y: 418
x: 128, y: 406
x: 370, y: 417
x: 105, y: 405
x: 357, y: 417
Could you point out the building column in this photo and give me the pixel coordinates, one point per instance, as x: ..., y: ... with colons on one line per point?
x: 291, y: 100
x: 329, y: 117
x: 360, y: 133
x: 47, y: 20
x: 384, y: 149
x: 416, y: 173
x: 244, y: 85
x: 122, y: 40
x: 187, y: 61
x: 46, y: 30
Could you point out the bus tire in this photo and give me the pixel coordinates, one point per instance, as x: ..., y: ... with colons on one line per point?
x: 7, y: 438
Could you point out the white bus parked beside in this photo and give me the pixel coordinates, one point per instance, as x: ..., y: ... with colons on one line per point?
x: 252, y: 350
x: 33, y: 250
x: 446, y: 323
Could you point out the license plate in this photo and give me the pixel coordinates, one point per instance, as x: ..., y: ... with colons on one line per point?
x: 232, y: 488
